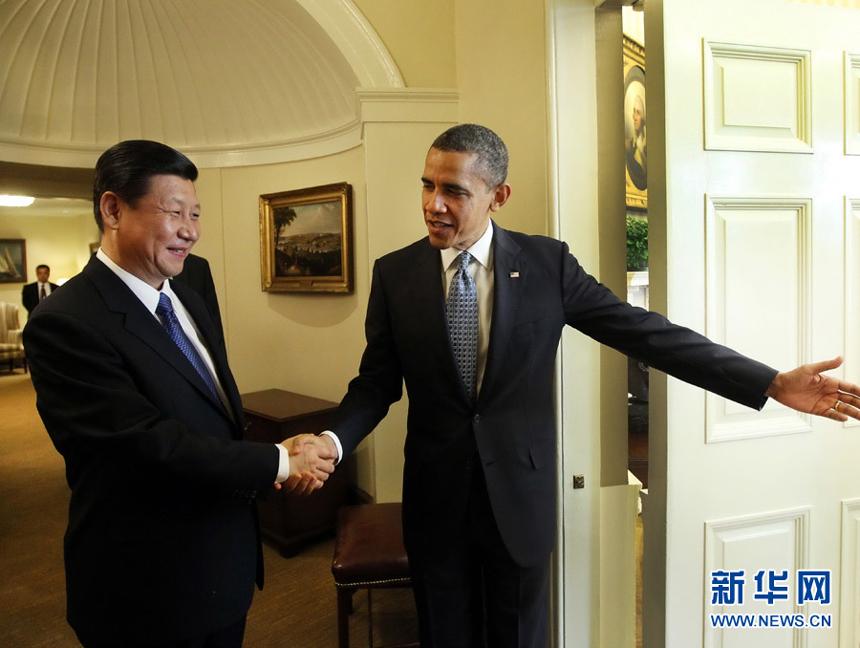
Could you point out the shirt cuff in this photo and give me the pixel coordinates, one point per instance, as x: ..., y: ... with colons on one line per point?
x: 337, y: 445
x: 283, y: 464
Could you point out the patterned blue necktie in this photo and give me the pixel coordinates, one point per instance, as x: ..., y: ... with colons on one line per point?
x: 462, y: 307
x: 174, y: 329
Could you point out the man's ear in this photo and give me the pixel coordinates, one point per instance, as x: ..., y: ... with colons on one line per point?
x: 109, y: 205
x: 500, y: 196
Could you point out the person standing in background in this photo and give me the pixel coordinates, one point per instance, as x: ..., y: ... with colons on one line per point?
x: 34, y: 293
x: 197, y: 275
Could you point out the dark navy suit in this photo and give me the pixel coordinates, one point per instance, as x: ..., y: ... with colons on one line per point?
x: 162, y: 542
x: 509, y: 433
x: 30, y: 295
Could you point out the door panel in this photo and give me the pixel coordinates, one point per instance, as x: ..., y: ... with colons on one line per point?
x: 754, y: 207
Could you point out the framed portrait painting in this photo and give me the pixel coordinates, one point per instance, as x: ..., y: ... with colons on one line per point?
x: 635, y: 141
x: 13, y: 261
x: 306, y: 240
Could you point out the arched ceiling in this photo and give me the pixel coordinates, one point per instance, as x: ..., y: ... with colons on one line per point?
x: 205, y: 76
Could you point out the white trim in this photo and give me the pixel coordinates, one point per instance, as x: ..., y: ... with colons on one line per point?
x: 372, y: 105
x: 405, y: 105
x: 357, y: 40
x: 571, y: 151
x: 335, y: 140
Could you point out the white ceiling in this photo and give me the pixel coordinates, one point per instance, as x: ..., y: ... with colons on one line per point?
x: 204, y: 75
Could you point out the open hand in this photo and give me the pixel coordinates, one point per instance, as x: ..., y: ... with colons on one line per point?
x: 806, y: 389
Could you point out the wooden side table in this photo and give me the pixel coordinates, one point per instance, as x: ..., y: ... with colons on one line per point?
x: 289, y: 521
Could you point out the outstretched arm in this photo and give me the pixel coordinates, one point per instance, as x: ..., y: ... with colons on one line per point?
x: 806, y: 389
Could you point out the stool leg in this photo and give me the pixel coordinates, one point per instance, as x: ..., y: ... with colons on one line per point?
x: 369, y: 618
x: 344, y: 607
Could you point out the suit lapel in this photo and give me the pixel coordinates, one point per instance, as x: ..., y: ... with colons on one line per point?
x: 139, y: 322
x: 197, y: 309
x: 510, y: 274
x: 428, y: 305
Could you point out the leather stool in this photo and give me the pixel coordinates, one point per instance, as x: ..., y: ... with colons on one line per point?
x: 368, y: 554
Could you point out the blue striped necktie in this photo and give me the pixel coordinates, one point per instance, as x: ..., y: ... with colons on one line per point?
x: 174, y: 329
x: 462, y: 311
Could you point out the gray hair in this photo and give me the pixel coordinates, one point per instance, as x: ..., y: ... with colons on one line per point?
x: 479, y: 140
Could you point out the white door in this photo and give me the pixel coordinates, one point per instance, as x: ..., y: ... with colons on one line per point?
x: 754, y: 201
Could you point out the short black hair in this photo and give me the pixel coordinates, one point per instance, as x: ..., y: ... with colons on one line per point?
x: 485, y: 144
x: 42, y: 265
x: 127, y: 168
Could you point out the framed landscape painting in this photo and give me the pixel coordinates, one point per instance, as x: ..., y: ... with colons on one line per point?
x: 306, y: 240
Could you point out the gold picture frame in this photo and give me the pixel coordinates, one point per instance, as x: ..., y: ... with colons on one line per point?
x: 306, y: 240
x: 634, y: 129
x: 13, y: 261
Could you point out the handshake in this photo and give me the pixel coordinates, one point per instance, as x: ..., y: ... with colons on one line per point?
x: 312, y: 460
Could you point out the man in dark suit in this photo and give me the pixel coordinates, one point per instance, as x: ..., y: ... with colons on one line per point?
x: 133, y: 385
x: 475, y: 339
x: 197, y: 275
x: 35, y: 292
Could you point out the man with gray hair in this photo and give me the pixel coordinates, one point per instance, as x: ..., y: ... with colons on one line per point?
x: 470, y: 317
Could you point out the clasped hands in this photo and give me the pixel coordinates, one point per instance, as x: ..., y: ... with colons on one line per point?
x: 312, y: 460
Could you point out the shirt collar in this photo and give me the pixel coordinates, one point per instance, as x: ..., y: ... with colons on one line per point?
x: 144, y: 292
x: 481, y: 250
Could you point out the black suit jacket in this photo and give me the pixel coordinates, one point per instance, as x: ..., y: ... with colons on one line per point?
x: 30, y: 295
x: 197, y: 275
x: 539, y: 288
x: 162, y: 541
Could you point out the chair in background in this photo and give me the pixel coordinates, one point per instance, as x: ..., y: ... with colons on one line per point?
x: 368, y: 554
x: 11, y: 337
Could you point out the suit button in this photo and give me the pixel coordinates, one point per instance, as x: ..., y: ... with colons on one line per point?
x: 477, y: 418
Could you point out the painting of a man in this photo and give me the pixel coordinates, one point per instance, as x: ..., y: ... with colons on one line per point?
x: 636, y: 151
x: 635, y: 140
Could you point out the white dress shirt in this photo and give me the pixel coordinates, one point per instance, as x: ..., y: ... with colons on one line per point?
x: 149, y: 298
x: 43, y: 286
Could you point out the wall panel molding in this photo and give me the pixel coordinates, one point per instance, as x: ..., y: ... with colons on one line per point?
x: 769, y: 284
x: 852, y: 104
x: 852, y: 289
x: 849, y: 624
x: 757, y: 98
x: 774, y: 540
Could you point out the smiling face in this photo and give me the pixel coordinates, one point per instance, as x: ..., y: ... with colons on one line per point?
x: 456, y: 200
x: 152, y: 238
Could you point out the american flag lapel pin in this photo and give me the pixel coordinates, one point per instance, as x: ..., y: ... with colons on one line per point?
x: 515, y: 274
